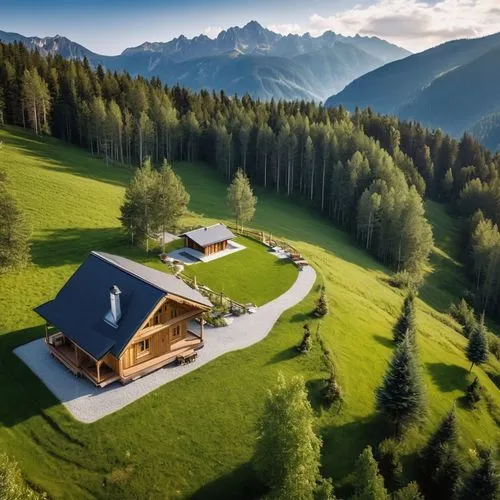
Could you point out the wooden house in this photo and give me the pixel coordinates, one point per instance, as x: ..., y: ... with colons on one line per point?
x: 209, y: 240
x: 116, y: 319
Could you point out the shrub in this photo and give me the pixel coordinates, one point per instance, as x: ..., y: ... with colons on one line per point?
x: 333, y: 391
x: 306, y: 344
x: 473, y: 394
x: 321, y: 308
x: 12, y: 484
x: 389, y: 460
x: 406, y: 280
x: 494, y: 345
x: 462, y: 312
x: 409, y: 492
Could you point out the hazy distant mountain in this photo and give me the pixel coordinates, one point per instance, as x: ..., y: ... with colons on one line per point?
x: 487, y: 130
x: 251, y: 59
x: 452, y: 86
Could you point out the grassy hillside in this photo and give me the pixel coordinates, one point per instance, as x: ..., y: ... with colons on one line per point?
x: 195, y: 436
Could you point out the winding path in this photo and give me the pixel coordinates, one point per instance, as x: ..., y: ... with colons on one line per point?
x: 88, y: 403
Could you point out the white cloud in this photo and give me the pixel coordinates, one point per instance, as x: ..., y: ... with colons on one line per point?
x: 414, y: 24
x: 285, y: 29
x: 212, y: 31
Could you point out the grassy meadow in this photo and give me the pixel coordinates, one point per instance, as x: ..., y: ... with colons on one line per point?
x: 194, y: 437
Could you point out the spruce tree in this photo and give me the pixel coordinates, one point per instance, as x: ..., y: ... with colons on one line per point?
x: 241, y: 199
x: 407, y: 322
x: 484, y: 482
x: 368, y: 483
x: 477, y: 348
x: 401, y: 397
x: 14, y: 231
x: 287, y: 456
x: 440, y: 468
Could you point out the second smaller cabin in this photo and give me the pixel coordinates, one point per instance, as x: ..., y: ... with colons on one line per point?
x: 209, y: 240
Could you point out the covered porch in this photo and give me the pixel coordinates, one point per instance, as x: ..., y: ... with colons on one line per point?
x: 78, y: 361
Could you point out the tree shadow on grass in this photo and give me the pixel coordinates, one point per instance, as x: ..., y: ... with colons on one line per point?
x: 448, y: 377
x: 23, y: 394
x: 343, y: 444
x: 301, y: 318
x: 384, y: 341
x: 285, y: 355
x: 241, y: 483
x: 66, y: 158
x: 57, y: 247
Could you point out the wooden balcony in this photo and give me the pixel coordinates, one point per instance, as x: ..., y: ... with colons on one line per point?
x: 79, y: 362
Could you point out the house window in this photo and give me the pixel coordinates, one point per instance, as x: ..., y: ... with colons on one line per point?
x: 143, y: 347
x: 176, y: 331
x: 174, y: 313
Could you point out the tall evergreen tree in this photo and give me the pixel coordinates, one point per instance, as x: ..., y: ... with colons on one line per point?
x: 368, y: 483
x: 440, y: 466
x: 484, y: 482
x: 407, y: 323
x: 477, y: 347
x: 287, y: 457
x: 401, y: 397
x: 241, y: 199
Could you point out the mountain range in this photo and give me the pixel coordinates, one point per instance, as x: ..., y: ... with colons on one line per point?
x: 250, y: 59
x: 453, y: 86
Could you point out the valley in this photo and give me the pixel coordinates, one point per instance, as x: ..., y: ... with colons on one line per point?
x: 72, y: 203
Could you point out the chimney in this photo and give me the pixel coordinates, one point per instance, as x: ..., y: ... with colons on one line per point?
x: 115, y: 311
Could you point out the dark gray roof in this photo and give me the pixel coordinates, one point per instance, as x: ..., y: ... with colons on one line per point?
x: 166, y: 282
x: 209, y: 235
x: 79, y: 308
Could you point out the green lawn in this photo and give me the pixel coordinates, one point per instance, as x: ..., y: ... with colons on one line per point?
x: 250, y: 275
x: 194, y: 437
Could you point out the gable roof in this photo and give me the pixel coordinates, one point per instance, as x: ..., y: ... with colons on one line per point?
x: 78, y: 310
x: 209, y: 235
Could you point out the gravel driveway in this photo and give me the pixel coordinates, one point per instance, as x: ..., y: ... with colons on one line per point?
x: 88, y: 403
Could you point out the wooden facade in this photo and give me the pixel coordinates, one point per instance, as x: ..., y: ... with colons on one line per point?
x: 208, y: 250
x: 163, y: 336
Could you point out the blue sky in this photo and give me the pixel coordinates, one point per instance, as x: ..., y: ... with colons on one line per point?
x: 109, y: 26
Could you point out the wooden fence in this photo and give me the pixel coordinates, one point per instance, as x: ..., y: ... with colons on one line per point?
x: 217, y: 298
x: 267, y: 239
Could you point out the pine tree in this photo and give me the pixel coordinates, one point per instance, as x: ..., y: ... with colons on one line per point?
x: 477, y: 348
x: 406, y: 323
x: 440, y: 468
x: 287, y: 456
x: 484, y: 482
x: 241, y: 198
x: 401, y: 397
x: 14, y: 231
x: 368, y: 483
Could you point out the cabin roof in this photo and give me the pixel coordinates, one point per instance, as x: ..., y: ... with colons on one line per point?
x: 78, y: 310
x: 209, y: 235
